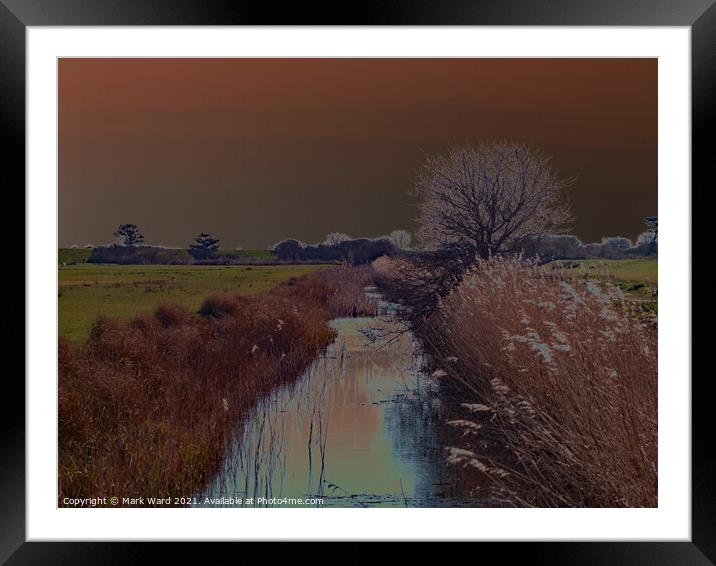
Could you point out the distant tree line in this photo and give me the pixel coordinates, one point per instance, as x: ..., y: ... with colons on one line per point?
x: 337, y: 247
x: 139, y: 255
x: 340, y: 247
x: 128, y: 248
x: 360, y: 250
x: 566, y: 246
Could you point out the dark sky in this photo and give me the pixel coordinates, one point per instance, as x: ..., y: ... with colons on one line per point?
x: 257, y: 150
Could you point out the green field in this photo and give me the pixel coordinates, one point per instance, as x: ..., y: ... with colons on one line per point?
x: 637, y: 278
x: 634, y: 270
x: 87, y: 291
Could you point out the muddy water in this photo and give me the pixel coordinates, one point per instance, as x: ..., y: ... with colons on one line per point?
x: 360, y: 428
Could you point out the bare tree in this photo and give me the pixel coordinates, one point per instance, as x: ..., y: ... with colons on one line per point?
x: 488, y: 198
x: 335, y: 238
x: 401, y: 239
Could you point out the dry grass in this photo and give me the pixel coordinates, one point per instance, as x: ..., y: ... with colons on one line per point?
x: 558, y: 387
x: 146, y: 407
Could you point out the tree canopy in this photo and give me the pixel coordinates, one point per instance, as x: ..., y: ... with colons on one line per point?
x: 204, y: 245
x: 488, y: 198
x: 128, y: 235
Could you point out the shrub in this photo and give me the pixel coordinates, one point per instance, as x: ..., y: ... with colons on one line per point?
x: 172, y: 315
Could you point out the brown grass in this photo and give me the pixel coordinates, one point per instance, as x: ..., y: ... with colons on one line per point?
x: 146, y: 408
x: 557, y: 382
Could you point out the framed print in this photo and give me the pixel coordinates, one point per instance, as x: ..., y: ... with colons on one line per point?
x: 400, y: 278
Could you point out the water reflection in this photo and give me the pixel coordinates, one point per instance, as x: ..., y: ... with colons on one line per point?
x: 358, y: 429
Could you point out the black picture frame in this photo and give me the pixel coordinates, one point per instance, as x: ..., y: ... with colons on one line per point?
x: 16, y: 15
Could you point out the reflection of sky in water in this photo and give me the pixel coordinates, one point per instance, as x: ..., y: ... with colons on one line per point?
x: 357, y: 429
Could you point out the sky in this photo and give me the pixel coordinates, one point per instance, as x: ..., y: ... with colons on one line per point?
x: 258, y: 150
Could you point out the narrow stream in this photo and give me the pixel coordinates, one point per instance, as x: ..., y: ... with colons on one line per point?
x: 360, y: 428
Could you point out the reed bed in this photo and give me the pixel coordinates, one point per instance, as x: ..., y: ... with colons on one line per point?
x: 147, y: 407
x: 552, y: 382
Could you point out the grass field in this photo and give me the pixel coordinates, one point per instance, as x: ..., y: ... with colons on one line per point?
x: 635, y: 270
x: 87, y: 291
x: 637, y: 278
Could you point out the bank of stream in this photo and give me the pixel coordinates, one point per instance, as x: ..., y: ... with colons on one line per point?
x: 362, y: 427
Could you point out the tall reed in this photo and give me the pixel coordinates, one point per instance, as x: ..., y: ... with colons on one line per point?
x: 553, y: 384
